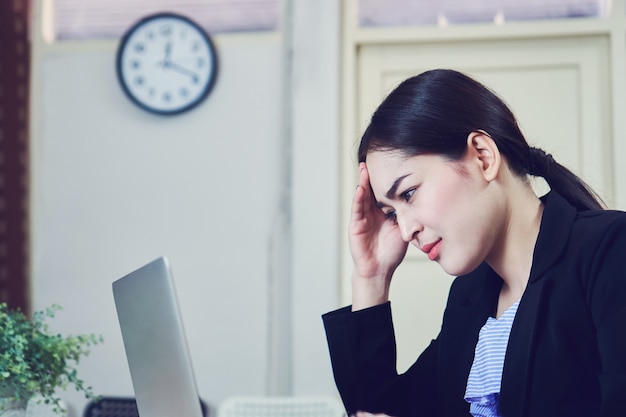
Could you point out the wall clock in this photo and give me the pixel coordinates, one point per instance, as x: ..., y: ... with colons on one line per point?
x: 166, y: 63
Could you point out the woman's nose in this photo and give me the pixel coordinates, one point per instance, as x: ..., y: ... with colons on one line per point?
x: 408, y: 228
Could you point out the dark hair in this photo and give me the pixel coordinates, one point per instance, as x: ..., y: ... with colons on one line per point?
x: 434, y: 112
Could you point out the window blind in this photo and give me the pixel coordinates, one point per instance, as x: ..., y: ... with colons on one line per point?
x: 430, y: 12
x: 79, y: 19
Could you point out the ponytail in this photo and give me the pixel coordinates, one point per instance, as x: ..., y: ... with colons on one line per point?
x: 562, y: 180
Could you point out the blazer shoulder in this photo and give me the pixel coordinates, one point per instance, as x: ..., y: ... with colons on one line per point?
x: 598, y: 243
x: 595, y: 225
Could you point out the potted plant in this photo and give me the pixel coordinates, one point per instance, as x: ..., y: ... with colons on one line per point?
x: 36, y: 362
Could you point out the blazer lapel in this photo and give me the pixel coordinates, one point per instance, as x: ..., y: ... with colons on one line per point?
x: 556, y: 224
x: 517, y: 363
x: 463, y: 321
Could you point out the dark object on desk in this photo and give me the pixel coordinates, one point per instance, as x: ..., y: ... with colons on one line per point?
x: 121, y: 407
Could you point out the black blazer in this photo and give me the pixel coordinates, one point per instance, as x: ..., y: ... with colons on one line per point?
x: 567, y: 348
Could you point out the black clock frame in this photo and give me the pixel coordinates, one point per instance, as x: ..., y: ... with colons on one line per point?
x: 212, y: 52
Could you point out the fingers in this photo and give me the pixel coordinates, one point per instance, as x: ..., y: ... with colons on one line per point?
x: 364, y: 183
x: 363, y: 195
x: 358, y: 211
x: 366, y: 414
x: 364, y: 176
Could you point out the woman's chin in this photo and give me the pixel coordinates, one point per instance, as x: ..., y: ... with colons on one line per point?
x: 457, y: 269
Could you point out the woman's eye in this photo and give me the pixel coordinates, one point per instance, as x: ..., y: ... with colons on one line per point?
x: 391, y: 216
x: 406, y: 196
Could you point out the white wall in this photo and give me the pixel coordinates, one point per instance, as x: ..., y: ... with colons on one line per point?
x: 315, y: 120
x: 254, y: 254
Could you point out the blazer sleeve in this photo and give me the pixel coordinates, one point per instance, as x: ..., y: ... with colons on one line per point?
x: 363, y: 356
x: 607, y: 292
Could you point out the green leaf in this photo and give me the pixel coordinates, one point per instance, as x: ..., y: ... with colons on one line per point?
x: 33, y: 361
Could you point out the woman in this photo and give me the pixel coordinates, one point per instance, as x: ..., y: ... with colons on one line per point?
x: 535, y: 323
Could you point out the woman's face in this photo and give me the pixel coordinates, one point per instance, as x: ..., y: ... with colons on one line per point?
x: 445, y: 208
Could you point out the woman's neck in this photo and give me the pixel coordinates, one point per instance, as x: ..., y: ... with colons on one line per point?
x: 512, y: 258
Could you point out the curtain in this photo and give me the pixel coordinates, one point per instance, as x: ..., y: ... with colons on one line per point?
x: 14, y: 79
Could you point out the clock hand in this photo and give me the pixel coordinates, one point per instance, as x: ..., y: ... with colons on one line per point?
x: 168, y: 51
x: 178, y: 68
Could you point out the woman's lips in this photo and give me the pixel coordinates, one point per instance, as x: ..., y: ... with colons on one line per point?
x: 432, y: 249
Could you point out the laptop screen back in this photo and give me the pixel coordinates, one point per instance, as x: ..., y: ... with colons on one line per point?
x: 155, y: 343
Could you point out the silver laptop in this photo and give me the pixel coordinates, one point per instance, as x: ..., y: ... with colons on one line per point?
x: 155, y: 343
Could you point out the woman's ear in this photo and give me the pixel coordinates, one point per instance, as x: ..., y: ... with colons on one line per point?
x: 484, y: 151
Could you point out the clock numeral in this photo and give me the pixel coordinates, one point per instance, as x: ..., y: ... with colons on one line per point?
x: 139, y: 47
x: 183, y: 34
x: 200, y: 63
x: 139, y: 81
x: 195, y: 79
x: 184, y: 92
x: 166, y: 30
x: 151, y: 92
x: 134, y: 64
x: 150, y: 35
x: 195, y: 47
x: 167, y: 97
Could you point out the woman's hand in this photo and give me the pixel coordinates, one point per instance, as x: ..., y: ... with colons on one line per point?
x: 366, y: 414
x: 376, y: 246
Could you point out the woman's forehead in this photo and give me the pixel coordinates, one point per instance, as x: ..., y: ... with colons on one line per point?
x: 385, y: 156
x: 386, y: 168
x: 391, y: 161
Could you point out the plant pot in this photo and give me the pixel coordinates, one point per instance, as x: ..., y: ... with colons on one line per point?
x: 10, y: 407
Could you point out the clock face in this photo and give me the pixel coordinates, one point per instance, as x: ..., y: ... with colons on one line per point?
x: 166, y: 63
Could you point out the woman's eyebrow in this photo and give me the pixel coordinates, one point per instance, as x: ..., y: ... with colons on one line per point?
x: 394, y: 187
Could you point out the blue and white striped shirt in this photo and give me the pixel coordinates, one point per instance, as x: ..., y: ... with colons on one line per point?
x: 483, y: 384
